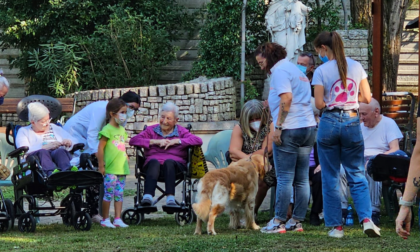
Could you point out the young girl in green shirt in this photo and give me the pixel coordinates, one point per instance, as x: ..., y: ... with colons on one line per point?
x: 113, y: 161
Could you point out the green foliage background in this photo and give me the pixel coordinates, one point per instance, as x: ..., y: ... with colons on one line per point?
x: 69, y: 45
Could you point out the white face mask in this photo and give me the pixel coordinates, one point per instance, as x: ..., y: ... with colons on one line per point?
x: 255, y: 125
x: 130, y: 112
x: 121, y: 120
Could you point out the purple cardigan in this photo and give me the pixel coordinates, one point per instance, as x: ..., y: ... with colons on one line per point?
x: 177, y: 152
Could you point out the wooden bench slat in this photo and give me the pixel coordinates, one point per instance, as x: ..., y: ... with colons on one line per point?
x: 395, y: 102
x: 397, y: 115
x: 9, y: 105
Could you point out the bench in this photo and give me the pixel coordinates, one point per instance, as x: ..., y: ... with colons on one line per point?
x: 9, y: 107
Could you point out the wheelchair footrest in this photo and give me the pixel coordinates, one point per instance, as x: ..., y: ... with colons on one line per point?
x: 146, y: 209
x: 173, y: 209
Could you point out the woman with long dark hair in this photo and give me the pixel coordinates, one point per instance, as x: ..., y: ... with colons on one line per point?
x: 340, y: 84
x: 290, y: 104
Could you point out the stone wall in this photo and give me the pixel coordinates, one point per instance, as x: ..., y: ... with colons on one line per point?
x: 200, y: 100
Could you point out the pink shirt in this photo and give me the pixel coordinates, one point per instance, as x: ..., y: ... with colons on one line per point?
x: 177, y: 152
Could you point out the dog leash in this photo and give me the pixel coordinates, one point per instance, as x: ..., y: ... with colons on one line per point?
x: 265, y: 155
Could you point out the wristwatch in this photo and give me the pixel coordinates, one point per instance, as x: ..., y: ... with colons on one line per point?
x: 407, y: 203
x: 279, y: 127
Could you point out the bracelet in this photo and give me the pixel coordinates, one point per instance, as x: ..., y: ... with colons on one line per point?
x: 406, y: 203
x: 279, y: 127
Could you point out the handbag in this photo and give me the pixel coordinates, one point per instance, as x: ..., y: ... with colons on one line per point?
x: 4, y: 172
x: 198, y: 163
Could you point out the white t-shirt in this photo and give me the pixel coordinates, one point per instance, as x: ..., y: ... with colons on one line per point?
x: 377, y: 139
x: 86, y: 124
x: 27, y: 137
x: 335, y: 96
x: 287, y: 78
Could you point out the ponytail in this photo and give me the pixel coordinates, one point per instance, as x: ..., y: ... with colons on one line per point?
x: 335, y: 43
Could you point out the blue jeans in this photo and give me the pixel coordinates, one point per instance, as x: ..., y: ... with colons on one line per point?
x: 291, y: 160
x: 340, y: 140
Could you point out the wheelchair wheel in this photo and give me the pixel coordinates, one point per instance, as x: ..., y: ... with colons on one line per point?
x: 70, y: 212
x: 10, y: 211
x: 183, y: 218
x: 131, y: 217
x: 82, y: 221
x: 26, y: 223
x: 6, y: 224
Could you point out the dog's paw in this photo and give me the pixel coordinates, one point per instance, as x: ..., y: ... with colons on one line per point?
x: 211, y: 233
x: 197, y: 233
x: 256, y: 227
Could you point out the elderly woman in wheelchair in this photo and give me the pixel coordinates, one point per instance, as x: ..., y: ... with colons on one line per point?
x: 47, y: 142
x: 165, y: 151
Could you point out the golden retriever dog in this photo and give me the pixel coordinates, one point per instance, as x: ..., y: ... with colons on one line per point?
x: 230, y: 189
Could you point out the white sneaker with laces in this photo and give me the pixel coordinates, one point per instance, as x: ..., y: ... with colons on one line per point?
x: 273, y: 227
x: 97, y: 219
x: 107, y: 223
x: 370, y: 228
x: 336, y: 233
x: 119, y: 223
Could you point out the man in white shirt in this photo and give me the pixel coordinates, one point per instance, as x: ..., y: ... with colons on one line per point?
x: 381, y: 136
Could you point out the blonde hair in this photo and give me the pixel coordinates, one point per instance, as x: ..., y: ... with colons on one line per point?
x: 253, y: 109
x: 335, y: 43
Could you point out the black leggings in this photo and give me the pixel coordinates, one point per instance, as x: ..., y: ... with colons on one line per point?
x: 169, y: 169
x: 316, y: 190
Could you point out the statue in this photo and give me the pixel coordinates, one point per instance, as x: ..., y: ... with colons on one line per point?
x: 286, y: 22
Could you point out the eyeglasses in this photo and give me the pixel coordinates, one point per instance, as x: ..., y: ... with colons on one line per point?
x: 132, y: 107
x: 310, y: 55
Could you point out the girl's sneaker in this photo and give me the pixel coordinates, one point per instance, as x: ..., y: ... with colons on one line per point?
x: 119, y: 223
x: 336, y: 232
x: 273, y: 227
x: 107, y: 223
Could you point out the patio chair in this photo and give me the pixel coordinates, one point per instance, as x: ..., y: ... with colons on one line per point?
x: 217, y: 148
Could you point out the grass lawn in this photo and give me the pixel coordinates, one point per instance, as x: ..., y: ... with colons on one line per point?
x: 165, y: 235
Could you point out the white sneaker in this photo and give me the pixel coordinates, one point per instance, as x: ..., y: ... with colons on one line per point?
x: 119, y: 223
x: 370, y: 228
x: 273, y: 227
x: 97, y: 219
x: 107, y: 223
x: 336, y: 233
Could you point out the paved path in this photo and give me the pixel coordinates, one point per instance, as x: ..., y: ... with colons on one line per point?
x: 129, y: 202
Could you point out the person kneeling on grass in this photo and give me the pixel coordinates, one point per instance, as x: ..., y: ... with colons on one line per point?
x: 113, y: 161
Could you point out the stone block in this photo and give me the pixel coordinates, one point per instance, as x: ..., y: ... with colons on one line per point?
x: 130, y: 126
x: 154, y: 99
x: 214, y: 117
x: 210, y: 86
x: 210, y: 110
x: 176, y: 97
x: 192, y: 109
x: 138, y: 126
x: 217, y: 85
x: 203, y: 118
x: 181, y: 118
x: 184, y: 112
x: 170, y: 90
x: 180, y: 89
x: 206, y: 102
x: 186, y: 102
x: 155, y: 118
x: 116, y: 93
x: 193, y: 96
x: 101, y: 94
x: 108, y: 94
x: 195, y: 118
x: 153, y: 112
x: 196, y: 88
x: 216, y: 109
x: 201, y: 96
x: 139, y: 118
x: 148, y: 119
x: 189, y: 88
x: 144, y: 92
x: 184, y: 107
x: 205, y: 109
x: 222, y: 84
x: 203, y: 87
x: 87, y: 96
x: 187, y: 118
x: 178, y: 102
x: 143, y: 111
x: 162, y: 90
x: 152, y: 91
x: 143, y: 99
x: 147, y: 105
x: 198, y: 106
x: 184, y: 97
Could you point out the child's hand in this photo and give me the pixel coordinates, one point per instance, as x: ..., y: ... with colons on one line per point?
x: 101, y: 169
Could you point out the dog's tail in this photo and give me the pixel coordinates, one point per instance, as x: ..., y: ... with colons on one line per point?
x: 202, y: 208
x: 236, y: 190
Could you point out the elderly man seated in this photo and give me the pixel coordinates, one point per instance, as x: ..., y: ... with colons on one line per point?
x: 381, y: 136
x: 165, y: 149
x: 49, y: 142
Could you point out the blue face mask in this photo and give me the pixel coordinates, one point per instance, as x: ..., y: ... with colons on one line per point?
x: 302, y: 68
x: 323, y: 59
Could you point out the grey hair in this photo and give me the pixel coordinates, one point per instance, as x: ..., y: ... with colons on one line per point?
x: 170, y: 107
x: 3, y: 80
x: 374, y: 104
x: 37, y: 111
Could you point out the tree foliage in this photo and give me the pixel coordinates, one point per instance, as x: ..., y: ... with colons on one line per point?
x: 106, y: 38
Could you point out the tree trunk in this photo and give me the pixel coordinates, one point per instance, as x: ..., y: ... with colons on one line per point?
x: 394, y: 12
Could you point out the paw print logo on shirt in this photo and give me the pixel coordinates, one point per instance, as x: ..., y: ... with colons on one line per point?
x: 340, y: 96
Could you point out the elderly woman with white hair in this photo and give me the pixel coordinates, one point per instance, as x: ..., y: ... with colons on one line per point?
x: 4, y: 86
x: 165, y: 149
x: 48, y: 142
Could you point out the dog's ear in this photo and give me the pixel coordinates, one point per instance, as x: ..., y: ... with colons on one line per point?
x: 258, y: 160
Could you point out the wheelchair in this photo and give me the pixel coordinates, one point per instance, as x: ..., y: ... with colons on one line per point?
x: 7, y: 215
x: 183, y: 212
x: 392, y: 171
x: 31, y: 183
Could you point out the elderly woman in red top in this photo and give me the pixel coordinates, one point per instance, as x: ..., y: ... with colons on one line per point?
x: 165, y: 149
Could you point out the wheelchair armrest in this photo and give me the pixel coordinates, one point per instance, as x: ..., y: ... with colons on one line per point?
x: 140, y: 159
x: 189, y: 158
x: 76, y: 147
x: 9, y: 128
x: 19, y: 151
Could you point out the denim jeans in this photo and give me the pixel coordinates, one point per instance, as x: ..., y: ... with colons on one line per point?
x: 291, y: 160
x: 340, y: 140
